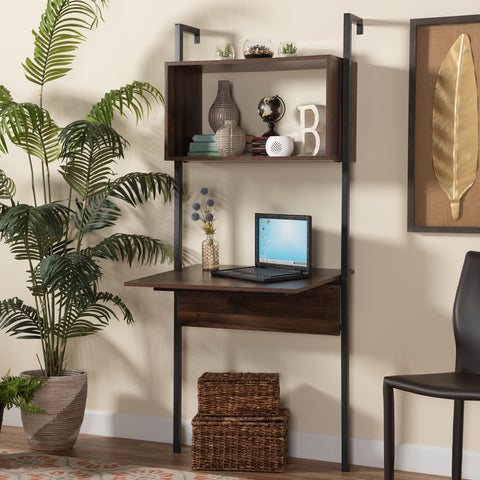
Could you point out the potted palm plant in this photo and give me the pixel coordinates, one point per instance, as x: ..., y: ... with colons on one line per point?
x: 51, y: 232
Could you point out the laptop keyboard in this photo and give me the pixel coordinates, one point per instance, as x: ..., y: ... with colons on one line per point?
x: 263, y: 272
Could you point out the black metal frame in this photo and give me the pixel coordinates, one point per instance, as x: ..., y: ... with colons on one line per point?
x: 180, y: 29
x: 349, y: 20
x: 414, y: 23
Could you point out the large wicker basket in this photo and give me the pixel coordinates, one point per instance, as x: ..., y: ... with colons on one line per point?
x: 242, y: 394
x: 249, y: 444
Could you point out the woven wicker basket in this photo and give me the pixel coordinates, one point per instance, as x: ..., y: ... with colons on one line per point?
x: 242, y: 394
x: 248, y: 444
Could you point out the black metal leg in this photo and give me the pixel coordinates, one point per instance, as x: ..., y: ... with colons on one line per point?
x: 388, y: 432
x: 177, y: 382
x: 348, y: 21
x: 457, y: 442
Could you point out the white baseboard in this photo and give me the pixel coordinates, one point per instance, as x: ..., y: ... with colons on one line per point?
x: 316, y: 446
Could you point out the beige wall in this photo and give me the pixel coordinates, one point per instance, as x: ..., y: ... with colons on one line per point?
x: 404, y: 283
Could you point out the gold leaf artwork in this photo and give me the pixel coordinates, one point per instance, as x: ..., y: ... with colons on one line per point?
x: 455, y: 123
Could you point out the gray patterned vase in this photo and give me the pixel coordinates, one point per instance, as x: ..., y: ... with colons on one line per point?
x: 223, y: 108
x: 230, y: 139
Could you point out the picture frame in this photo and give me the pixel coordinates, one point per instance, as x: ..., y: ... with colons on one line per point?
x: 429, y: 207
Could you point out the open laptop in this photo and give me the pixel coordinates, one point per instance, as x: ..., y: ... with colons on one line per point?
x: 283, y: 250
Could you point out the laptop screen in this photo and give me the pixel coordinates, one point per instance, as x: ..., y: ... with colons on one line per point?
x: 283, y: 240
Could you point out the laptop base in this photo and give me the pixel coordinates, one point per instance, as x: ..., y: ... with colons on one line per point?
x: 260, y: 274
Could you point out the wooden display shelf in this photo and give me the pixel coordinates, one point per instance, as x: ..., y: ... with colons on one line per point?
x: 183, y: 103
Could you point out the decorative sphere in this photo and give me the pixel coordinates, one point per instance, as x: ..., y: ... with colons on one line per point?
x: 271, y: 109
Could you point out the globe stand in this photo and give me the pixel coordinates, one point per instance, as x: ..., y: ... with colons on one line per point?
x: 271, y: 132
x: 271, y: 110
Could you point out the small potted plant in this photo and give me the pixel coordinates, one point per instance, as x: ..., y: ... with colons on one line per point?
x: 225, y: 52
x: 18, y: 392
x: 287, y: 49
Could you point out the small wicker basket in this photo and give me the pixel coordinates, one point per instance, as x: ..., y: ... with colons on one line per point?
x: 242, y: 394
x: 249, y: 444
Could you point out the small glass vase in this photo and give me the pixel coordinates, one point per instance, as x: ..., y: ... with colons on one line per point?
x: 210, y: 254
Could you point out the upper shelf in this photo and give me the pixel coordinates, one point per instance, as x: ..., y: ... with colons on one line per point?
x: 183, y: 103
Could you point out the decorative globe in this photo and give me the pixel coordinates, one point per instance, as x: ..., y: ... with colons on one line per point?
x: 271, y: 111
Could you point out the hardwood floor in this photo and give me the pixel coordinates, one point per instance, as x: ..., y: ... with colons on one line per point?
x: 139, y: 452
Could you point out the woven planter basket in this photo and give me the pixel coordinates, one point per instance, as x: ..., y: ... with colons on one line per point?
x: 64, y: 399
x: 2, y: 408
x: 247, y: 444
x: 246, y: 394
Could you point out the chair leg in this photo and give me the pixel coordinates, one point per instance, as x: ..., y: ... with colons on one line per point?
x: 457, y: 441
x: 388, y: 432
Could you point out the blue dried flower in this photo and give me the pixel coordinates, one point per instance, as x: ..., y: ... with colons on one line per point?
x: 203, y: 211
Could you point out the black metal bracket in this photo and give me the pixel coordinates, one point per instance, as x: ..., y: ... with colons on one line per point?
x: 180, y: 29
x: 348, y: 21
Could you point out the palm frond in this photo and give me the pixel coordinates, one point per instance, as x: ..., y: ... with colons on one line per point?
x: 7, y: 187
x: 136, y: 187
x: 31, y: 128
x: 71, y: 278
x: 129, y: 247
x: 19, y: 320
x: 97, y: 213
x: 58, y: 36
x: 93, y: 317
x: 5, y: 96
x: 31, y: 232
x: 135, y: 97
x: 89, y: 149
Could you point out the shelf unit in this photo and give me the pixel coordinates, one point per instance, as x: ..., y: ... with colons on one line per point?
x: 184, y: 119
x: 184, y: 102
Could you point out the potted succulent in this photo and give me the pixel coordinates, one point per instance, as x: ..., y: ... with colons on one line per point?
x: 52, y: 231
x: 18, y: 392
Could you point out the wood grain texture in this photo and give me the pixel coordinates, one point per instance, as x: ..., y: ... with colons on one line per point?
x: 315, y: 311
x: 139, y: 452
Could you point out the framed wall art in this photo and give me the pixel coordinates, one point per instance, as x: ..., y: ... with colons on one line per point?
x: 443, y: 153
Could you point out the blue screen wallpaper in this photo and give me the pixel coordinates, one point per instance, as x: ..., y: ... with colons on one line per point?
x: 282, y: 241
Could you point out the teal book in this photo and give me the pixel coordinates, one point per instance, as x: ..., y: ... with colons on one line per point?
x: 203, y: 138
x: 202, y: 147
x: 203, y: 154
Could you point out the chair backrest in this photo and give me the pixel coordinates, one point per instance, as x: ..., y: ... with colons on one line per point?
x: 466, y: 316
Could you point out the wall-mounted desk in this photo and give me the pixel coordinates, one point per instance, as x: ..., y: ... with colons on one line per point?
x: 300, y: 306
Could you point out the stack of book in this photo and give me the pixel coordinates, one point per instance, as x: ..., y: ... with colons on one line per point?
x: 248, y: 145
x: 203, y: 146
x: 258, y: 146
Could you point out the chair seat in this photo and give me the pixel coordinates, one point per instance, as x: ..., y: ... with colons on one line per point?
x: 451, y: 385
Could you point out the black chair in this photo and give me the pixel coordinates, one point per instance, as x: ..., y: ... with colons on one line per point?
x: 460, y: 385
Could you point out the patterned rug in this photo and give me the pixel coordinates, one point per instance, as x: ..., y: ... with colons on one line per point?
x: 39, y: 466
